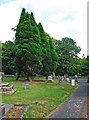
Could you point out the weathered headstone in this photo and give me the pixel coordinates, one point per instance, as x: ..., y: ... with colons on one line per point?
x: 26, y: 86
x: 54, y: 76
x: 59, y: 79
x: 68, y: 80
x: 73, y: 82
x: 0, y: 78
x: 50, y: 78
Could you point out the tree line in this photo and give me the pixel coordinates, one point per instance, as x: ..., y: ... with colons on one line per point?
x: 35, y: 52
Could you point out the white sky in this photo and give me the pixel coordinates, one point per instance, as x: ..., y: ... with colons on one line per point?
x: 60, y: 18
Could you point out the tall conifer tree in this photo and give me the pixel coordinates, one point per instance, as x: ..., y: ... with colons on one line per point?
x: 28, y: 50
x: 45, y: 52
x: 54, y: 56
x: 49, y: 55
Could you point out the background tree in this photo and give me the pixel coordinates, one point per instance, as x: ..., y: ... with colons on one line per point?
x: 67, y: 50
x: 84, y: 66
x: 8, y: 54
x: 0, y: 56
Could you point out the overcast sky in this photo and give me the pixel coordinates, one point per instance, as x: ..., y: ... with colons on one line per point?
x: 60, y: 18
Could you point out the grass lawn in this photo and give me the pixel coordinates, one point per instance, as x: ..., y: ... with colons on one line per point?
x: 13, y: 79
x: 42, y: 97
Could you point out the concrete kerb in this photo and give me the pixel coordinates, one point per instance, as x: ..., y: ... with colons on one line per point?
x: 26, y: 106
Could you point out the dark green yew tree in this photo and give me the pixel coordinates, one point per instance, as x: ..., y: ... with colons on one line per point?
x: 54, y: 56
x: 49, y: 55
x: 28, y: 49
x: 46, y: 56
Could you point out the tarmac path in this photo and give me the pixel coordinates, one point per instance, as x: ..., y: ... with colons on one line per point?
x: 75, y: 106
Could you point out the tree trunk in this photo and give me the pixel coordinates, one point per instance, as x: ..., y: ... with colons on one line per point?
x: 46, y: 78
x: 31, y: 78
x: 17, y: 76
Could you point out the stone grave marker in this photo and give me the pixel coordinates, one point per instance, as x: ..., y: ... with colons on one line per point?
x: 26, y: 86
x: 0, y: 78
x: 50, y: 78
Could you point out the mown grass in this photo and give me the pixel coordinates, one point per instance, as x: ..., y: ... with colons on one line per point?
x: 42, y: 97
x: 13, y: 78
x: 9, y: 79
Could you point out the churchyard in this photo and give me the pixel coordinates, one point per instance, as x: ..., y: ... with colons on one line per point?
x: 42, y: 97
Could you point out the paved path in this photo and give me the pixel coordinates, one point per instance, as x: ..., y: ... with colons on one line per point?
x: 74, y: 106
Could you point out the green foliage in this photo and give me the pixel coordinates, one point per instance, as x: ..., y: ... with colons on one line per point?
x: 83, y: 66
x: 0, y: 56
x: 71, y: 47
x: 49, y: 55
x: 27, y: 42
x: 8, y: 53
x: 54, y: 56
x: 67, y: 50
x: 45, y: 52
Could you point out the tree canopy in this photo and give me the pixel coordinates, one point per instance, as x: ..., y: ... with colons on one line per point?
x: 8, y: 55
x: 67, y: 50
x: 27, y: 44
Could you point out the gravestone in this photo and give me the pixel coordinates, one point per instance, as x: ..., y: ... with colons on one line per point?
x: 50, y: 78
x: 72, y: 82
x: 26, y: 86
x: 54, y: 76
x: 59, y: 79
x: 0, y: 78
x: 68, y: 80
